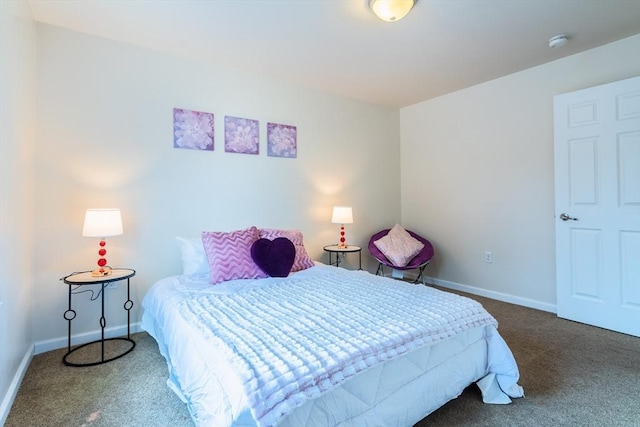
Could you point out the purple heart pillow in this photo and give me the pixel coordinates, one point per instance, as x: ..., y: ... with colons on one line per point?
x: 274, y: 257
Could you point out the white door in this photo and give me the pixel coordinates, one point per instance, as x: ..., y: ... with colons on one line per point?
x: 597, y: 190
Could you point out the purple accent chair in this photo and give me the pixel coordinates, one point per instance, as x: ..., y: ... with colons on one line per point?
x: 419, y: 262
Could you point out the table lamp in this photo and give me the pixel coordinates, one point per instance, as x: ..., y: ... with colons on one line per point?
x: 342, y: 215
x: 102, y: 223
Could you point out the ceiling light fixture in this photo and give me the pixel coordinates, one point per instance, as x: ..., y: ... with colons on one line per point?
x: 559, y: 40
x: 391, y: 10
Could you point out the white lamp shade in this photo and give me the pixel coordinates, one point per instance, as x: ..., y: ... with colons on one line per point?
x: 391, y: 10
x: 102, y: 223
x: 342, y: 215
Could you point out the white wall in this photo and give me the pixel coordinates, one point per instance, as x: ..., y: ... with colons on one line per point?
x: 477, y: 174
x: 17, y: 139
x: 105, y: 140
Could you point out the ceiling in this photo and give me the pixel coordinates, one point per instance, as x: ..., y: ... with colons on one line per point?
x: 341, y: 47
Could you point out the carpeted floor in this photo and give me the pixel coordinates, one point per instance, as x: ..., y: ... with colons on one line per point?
x: 573, y: 375
x: 130, y: 391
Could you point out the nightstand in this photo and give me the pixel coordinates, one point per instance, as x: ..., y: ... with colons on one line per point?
x: 85, y: 282
x: 335, y: 249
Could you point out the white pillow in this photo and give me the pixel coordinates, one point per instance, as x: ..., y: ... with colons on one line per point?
x: 399, y: 246
x: 194, y: 259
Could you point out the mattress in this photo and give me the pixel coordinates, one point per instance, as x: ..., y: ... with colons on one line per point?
x: 396, y: 391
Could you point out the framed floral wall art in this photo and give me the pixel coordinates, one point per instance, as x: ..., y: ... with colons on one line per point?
x: 282, y: 140
x: 193, y: 129
x: 241, y: 135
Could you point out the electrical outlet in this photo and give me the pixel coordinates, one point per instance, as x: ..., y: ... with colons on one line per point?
x: 112, y: 285
x: 488, y: 257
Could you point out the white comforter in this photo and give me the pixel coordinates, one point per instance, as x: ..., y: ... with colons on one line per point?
x: 278, y: 343
x: 293, y: 340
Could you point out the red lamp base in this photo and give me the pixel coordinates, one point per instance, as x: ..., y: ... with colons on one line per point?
x: 101, y: 272
x: 103, y: 269
x: 343, y: 241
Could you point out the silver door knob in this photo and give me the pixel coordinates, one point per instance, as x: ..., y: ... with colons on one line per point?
x: 565, y: 217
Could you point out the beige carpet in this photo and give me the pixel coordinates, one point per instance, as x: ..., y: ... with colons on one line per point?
x: 573, y: 375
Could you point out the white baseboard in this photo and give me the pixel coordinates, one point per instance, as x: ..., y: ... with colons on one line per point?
x: 61, y: 342
x: 7, y: 402
x: 499, y: 296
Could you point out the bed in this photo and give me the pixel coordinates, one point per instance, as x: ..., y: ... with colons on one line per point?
x: 323, y: 346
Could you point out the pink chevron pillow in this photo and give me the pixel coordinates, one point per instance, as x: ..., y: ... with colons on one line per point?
x: 229, y: 255
x: 302, y: 260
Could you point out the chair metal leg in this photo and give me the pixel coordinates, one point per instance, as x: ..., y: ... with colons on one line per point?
x: 380, y: 270
x: 420, y: 277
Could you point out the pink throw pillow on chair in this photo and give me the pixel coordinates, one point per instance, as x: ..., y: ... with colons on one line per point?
x: 399, y: 246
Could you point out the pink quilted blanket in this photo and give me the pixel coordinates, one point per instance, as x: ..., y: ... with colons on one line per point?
x: 293, y: 340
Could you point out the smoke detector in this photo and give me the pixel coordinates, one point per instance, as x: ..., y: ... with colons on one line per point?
x: 559, y: 40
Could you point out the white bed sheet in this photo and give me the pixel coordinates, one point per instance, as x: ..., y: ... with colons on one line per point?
x: 418, y: 382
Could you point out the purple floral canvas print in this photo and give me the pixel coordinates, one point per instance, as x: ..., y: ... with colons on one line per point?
x: 282, y: 140
x: 192, y: 129
x: 241, y: 135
